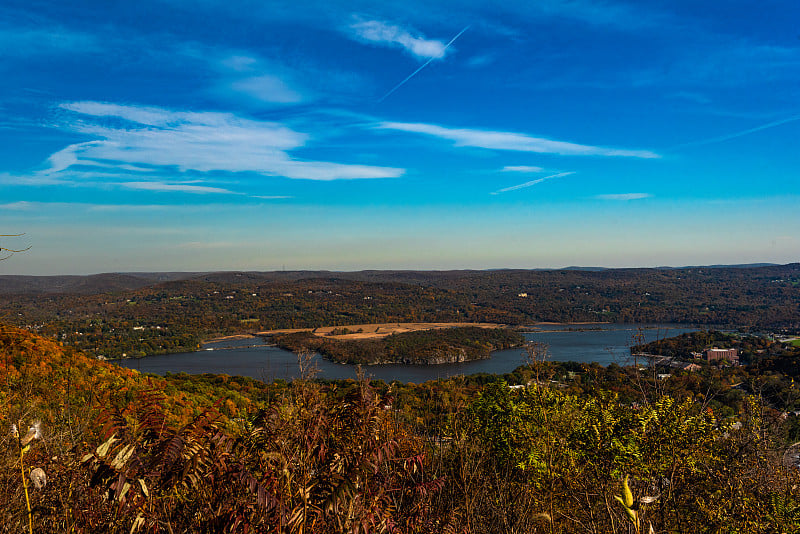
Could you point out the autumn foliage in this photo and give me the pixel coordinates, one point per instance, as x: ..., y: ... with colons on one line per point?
x: 127, y: 453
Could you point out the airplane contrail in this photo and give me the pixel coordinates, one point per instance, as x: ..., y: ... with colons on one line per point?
x: 737, y: 134
x: 532, y: 182
x: 396, y: 87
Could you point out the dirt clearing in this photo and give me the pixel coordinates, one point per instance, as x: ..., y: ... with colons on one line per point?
x: 372, y: 331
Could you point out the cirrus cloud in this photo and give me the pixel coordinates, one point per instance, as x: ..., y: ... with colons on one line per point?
x: 127, y: 137
x: 178, y: 187
x: 380, y: 32
x: 512, y: 141
x: 624, y: 196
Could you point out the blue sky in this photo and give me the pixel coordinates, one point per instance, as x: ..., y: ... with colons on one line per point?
x: 209, y: 135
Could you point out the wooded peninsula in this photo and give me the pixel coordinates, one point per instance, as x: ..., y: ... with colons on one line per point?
x: 435, y: 346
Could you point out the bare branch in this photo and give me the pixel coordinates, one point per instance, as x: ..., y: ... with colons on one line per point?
x: 11, y: 250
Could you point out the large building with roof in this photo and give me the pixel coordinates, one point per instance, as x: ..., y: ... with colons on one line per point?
x: 732, y: 355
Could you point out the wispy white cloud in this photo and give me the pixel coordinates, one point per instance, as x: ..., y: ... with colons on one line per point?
x: 64, y: 158
x: 624, y: 196
x: 73, y: 207
x: 267, y: 88
x: 68, y: 156
x: 174, y: 204
x: 174, y: 188
x: 379, y: 32
x: 521, y: 168
x: 134, y: 207
x: 21, y: 205
x: 34, y: 179
x: 512, y: 141
x: 245, y: 79
x: 532, y: 182
x: 246, y: 75
x: 193, y: 141
x: 235, y: 74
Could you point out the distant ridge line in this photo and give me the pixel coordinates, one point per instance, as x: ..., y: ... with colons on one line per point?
x: 126, y: 281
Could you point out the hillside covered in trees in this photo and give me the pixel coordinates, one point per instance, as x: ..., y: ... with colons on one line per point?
x: 110, y: 450
x: 112, y: 315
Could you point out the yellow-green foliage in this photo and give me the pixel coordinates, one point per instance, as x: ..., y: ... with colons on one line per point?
x: 569, y: 453
x: 125, y: 452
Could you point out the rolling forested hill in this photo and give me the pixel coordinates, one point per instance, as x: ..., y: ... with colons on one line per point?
x: 173, y: 315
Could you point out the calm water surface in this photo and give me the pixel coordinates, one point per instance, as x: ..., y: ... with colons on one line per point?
x: 603, y: 344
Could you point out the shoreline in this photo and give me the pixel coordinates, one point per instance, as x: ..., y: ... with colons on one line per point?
x: 216, y: 363
x: 380, y: 330
x: 375, y: 330
x: 531, y: 329
x: 226, y: 338
x: 577, y: 322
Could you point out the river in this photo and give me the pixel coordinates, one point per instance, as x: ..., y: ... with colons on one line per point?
x: 601, y: 343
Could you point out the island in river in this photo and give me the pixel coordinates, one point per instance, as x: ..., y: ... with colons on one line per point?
x: 432, y: 346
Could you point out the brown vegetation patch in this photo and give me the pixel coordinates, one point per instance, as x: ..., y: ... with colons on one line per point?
x: 373, y: 331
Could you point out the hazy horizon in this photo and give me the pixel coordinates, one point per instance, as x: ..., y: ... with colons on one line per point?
x: 466, y: 269
x: 213, y: 136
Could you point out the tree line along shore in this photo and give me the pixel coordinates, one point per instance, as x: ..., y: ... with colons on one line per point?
x: 153, y: 317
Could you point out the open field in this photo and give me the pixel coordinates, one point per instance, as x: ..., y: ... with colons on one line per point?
x: 373, y: 331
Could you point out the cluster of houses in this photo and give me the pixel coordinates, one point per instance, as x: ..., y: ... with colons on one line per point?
x: 709, y: 355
